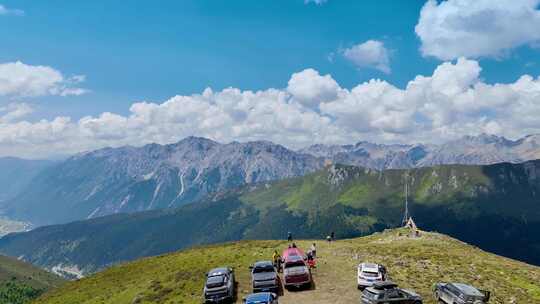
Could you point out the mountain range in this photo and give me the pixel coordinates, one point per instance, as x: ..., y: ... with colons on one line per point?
x: 131, y: 179
x: 470, y: 150
x: 494, y: 207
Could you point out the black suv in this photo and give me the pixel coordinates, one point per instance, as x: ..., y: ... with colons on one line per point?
x: 388, y: 292
x: 459, y: 293
x: 219, y: 286
x: 264, y: 277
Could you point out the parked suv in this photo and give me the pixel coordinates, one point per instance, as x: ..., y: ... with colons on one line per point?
x: 264, y: 277
x: 458, y: 293
x: 369, y: 273
x: 261, y: 298
x: 388, y: 292
x: 296, y: 273
x: 219, y: 286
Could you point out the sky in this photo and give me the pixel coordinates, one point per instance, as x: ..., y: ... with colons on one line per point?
x: 82, y: 75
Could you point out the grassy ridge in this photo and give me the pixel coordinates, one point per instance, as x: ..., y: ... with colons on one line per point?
x: 21, y: 282
x: 413, y: 263
x: 14, y: 270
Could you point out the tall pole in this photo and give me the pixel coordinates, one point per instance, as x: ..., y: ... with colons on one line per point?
x: 406, y: 213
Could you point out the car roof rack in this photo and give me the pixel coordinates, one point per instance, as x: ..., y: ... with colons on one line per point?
x: 384, y: 285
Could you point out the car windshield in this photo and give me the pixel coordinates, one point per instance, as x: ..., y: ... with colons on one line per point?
x: 264, y: 268
x: 370, y: 274
x: 218, y: 279
x: 294, y: 264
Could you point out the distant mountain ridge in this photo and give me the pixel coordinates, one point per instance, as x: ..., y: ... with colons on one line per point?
x: 483, y: 149
x: 131, y: 179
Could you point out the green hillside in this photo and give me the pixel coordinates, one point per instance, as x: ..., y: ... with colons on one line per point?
x: 493, y: 207
x: 415, y: 263
x: 20, y: 282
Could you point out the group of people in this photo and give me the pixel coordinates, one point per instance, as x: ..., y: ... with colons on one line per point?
x: 330, y: 238
x: 311, y: 254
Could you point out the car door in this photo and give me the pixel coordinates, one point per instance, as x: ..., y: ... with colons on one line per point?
x: 447, y: 294
x: 394, y: 296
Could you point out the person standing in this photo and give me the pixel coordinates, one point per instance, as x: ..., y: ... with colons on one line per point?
x: 289, y: 237
x: 313, y: 250
x: 276, y: 259
x: 333, y: 236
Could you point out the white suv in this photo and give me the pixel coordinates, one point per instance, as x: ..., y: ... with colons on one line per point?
x: 369, y: 273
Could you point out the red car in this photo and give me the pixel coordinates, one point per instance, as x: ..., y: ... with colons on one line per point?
x: 296, y: 272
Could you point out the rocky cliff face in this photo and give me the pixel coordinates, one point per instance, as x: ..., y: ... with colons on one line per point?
x: 129, y: 179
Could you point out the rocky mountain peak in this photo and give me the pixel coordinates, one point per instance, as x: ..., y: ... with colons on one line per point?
x: 484, y: 139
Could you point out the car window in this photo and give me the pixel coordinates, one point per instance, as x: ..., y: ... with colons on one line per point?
x: 370, y: 274
x: 453, y: 290
x: 393, y: 294
x: 266, y: 268
x: 371, y: 295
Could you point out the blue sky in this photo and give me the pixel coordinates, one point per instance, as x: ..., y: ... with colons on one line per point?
x: 132, y: 51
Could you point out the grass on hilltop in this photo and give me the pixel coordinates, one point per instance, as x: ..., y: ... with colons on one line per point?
x: 415, y: 263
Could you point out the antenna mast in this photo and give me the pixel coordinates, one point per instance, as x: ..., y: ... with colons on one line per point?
x: 406, y: 215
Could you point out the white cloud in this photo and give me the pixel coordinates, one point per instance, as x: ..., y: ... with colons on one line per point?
x: 370, y: 54
x: 452, y: 102
x: 8, y: 11
x: 19, y: 79
x: 318, y: 2
x: 456, y: 28
x: 310, y: 88
x: 14, y: 111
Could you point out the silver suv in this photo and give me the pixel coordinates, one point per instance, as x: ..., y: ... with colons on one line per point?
x: 459, y: 293
x: 219, y: 286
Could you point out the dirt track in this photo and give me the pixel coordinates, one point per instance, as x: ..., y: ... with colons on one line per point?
x: 331, y: 283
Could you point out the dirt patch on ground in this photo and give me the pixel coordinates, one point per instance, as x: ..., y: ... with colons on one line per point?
x: 331, y: 283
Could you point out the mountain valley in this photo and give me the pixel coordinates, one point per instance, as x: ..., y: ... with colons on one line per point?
x: 482, y: 205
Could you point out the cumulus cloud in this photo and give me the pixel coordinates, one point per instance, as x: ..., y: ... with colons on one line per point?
x: 18, y: 79
x: 370, y: 54
x: 456, y: 28
x: 8, y: 11
x: 310, y: 88
x: 451, y: 102
x: 14, y: 111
